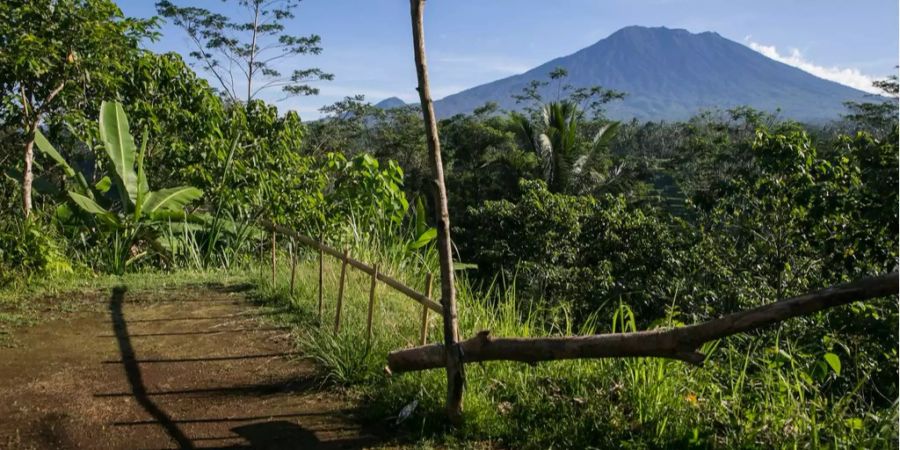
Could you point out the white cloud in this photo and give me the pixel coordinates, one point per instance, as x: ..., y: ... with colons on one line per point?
x: 846, y: 76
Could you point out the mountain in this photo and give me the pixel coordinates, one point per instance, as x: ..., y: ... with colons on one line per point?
x: 670, y: 74
x: 390, y: 102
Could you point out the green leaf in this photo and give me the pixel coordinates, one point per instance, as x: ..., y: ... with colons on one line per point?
x: 464, y: 266
x: 854, y: 423
x: 119, y: 147
x: 103, y: 185
x: 423, y: 239
x: 46, y: 148
x: 92, y: 207
x: 172, y: 199
x: 143, y: 187
x: 605, y: 135
x: 421, y: 224
x: 834, y: 362
x: 63, y: 212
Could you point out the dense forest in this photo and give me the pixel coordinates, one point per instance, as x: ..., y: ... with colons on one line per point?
x: 118, y: 161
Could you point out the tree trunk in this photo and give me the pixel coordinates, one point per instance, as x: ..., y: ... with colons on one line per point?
x: 35, y: 115
x: 28, y: 173
x: 676, y: 343
x: 250, y: 68
x: 455, y: 375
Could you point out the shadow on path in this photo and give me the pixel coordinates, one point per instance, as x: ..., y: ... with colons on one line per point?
x: 266, y: 431
x: 133, y: 371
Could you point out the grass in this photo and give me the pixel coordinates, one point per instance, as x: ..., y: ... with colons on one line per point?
x: 27, y: 301
x: 754, y: 392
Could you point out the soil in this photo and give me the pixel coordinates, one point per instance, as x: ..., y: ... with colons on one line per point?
x: 195, y: 368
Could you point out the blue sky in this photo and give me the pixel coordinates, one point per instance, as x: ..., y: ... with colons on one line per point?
x: 367, y: 43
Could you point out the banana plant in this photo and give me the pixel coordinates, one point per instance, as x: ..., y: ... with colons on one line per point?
x: 139, y: 210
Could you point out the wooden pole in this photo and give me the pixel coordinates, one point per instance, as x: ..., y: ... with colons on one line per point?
x: 675, y: 343
x: 321, y: 274
x: 423, y: 336
x: 455, y: 374
x: 293, y: 265
x: 371, y: 306
x: 340, y: 298
x: 273, y: 258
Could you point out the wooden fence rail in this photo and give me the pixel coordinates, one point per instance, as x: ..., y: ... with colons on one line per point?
x: 346, y: 260
x: 423, y: 299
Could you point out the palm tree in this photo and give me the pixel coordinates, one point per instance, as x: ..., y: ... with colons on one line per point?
x: 554, y: 139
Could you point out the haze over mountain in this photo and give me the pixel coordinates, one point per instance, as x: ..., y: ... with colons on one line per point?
x: 671, y: 74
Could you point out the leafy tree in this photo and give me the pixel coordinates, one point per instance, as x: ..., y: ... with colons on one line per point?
x: 483, y: 160
x: 241, y: 53
x: 270, y: 175
x: 347, y: 127
x: 400, y: 135
x: 877, y: 117
x: 186, y: 118
x: 51, y: 50
x: 362, y: 191
x: 541, y: 229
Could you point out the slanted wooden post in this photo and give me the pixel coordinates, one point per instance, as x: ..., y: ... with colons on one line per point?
x: 321, y: 274
x: 371, y: 305
x: 423, y: 336
x: 293, y: 265
x: 273, y: 258
x: 453, y: 352
x: 340, y: 298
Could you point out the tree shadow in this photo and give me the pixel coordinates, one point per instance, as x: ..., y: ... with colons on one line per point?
x: 133, y: 371
x: 267, y: 433
x: 287, y: 385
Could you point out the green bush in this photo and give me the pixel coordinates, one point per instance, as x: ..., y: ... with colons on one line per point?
x: 30, y: 247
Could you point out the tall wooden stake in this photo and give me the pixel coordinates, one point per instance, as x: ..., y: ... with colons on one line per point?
x: 293, y: 265
x: 423, y: 336
x: 321, y: 274
x: 273, y: 258
x: 371, y: 305
x: 340, y: 299
x: 455, y: 375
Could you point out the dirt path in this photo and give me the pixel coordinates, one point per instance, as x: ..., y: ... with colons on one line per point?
x: 185, y: 369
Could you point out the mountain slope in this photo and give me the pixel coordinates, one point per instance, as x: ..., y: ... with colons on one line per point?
x: 390, y: 102
x: 671, y: 74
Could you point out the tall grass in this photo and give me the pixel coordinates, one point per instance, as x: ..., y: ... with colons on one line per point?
x: 753, y: 392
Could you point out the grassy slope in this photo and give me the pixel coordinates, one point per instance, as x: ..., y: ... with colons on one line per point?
x: 746, y: 395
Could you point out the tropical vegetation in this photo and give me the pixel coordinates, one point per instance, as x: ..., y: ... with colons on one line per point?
x: 564, y: 223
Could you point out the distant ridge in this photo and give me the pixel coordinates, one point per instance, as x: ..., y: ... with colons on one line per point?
x: 671, y: 74
x: 390, y: 102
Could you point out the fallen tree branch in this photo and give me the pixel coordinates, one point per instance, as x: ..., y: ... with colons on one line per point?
x: 676, y: 343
